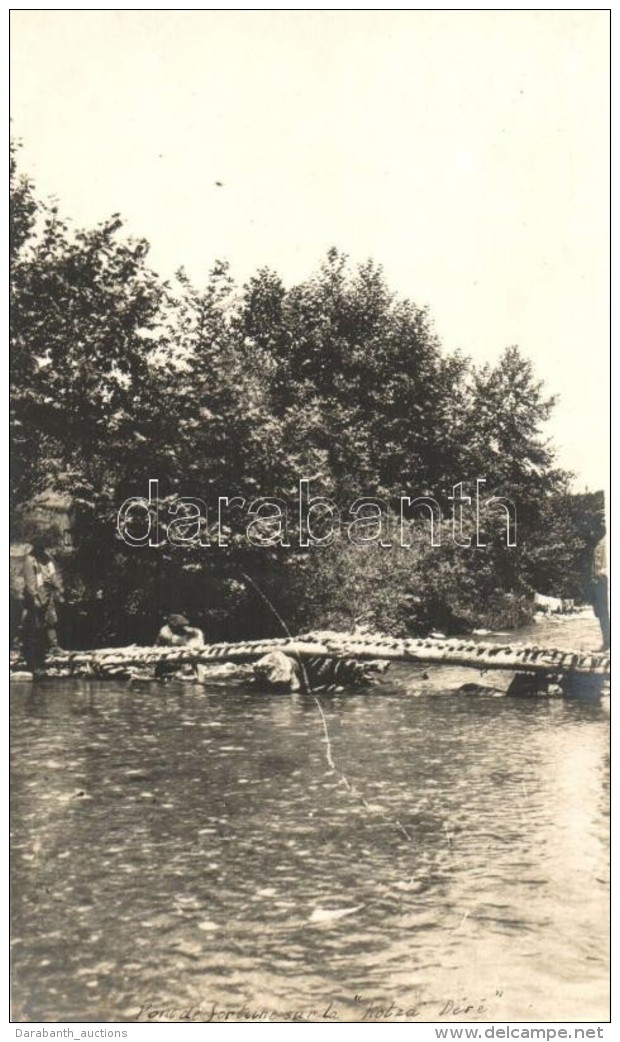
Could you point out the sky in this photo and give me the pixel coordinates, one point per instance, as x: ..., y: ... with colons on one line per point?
x: 465, y: 151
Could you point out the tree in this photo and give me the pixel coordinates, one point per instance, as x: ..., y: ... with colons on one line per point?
x: 84, y: 314
x: 507, y: 410
x: 216, y: 390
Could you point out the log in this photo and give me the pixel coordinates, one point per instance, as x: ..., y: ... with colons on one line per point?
x: 528, y: 658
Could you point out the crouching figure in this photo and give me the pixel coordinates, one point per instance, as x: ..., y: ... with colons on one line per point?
x: 177, y: 633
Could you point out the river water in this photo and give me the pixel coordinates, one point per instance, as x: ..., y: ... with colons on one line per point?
x: 181, y: 851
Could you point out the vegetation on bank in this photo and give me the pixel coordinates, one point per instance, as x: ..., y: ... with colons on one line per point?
x: 118, y: 376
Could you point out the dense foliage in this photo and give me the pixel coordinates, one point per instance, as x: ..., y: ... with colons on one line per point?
x: 221, y: 390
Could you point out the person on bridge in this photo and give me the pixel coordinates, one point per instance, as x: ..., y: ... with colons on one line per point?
x: 177, y: 633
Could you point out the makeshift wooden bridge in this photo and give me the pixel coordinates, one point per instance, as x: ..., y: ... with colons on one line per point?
x: 531, y: 660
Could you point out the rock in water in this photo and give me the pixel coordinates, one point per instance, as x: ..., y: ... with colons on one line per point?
x: 277, y: 671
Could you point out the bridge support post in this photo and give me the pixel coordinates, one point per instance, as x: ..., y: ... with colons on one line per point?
x: 584, y: 685
x: 534, y: 684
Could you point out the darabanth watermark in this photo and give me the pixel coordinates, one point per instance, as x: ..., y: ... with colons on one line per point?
x: 270, y: 521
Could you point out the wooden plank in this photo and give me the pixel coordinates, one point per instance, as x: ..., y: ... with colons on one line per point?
x: 432, y: 651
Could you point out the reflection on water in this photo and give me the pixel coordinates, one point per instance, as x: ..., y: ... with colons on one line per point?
x: 177, y: 847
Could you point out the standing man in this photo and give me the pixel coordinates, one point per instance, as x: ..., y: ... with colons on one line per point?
x: 600, y: 601
x: 53, y: 597
x: 42, y: 593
